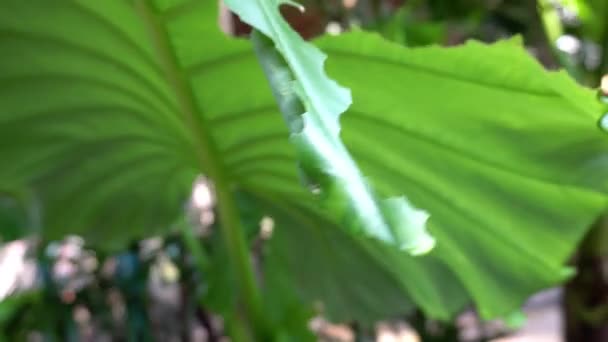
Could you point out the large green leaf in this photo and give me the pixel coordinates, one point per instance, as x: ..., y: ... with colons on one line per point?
x: 108, y: 110
x: 510, y: 165
x: 436, y: 164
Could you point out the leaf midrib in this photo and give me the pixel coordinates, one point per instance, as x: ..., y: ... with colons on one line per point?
x: 209, y: 162
x: 207, y: 152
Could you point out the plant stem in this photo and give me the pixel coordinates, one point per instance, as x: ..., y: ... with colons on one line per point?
x: 585, y: 302
x: 550, y: 20
x: 240, y: 257
x: 553, y: 29
x: 603, y: 67
x: 208, y: 159
x: 194, y: 247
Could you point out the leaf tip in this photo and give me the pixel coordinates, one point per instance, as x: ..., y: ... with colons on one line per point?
x: 567, y: 272
x: 515, y: 320
x: 408, y: 225
x: 423, y: 245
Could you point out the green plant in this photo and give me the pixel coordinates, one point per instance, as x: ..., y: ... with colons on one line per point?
x: 109, y: 110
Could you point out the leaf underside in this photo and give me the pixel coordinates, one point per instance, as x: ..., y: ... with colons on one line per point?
x: 311, y: 104
x: 504, y: 155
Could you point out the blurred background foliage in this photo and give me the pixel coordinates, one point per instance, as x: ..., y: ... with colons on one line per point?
x: 560, y: 33
x: 176, y: 287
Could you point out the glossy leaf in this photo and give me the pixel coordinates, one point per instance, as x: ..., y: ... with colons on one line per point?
x: 109, y: 110
x: 502, y: 159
